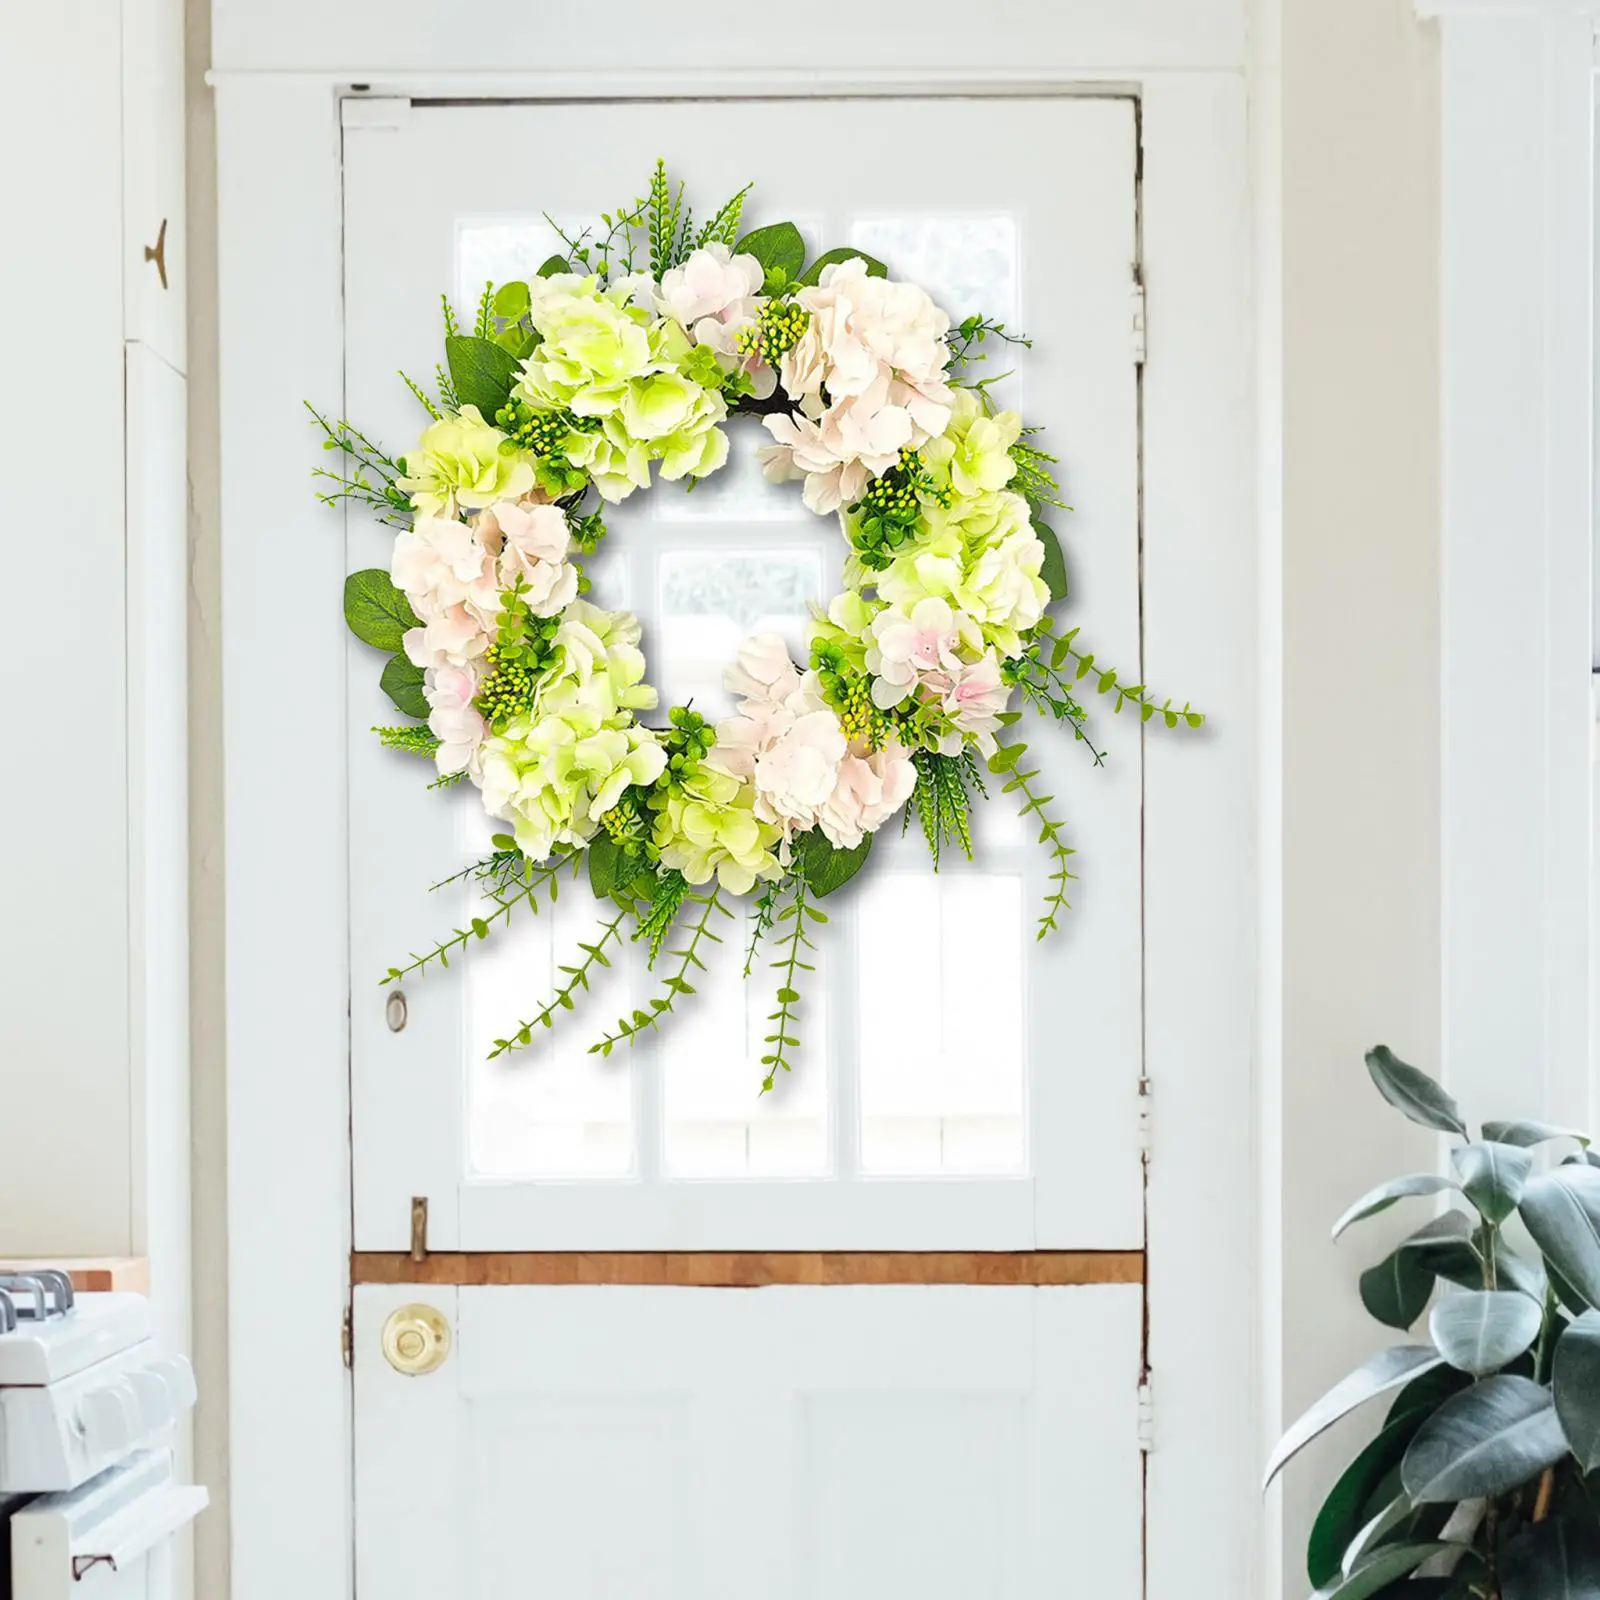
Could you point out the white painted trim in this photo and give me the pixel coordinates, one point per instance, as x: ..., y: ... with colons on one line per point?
x: 1523, y: 10
x: 281, y: 341
x: 1517, y: 276
x: 358, y: 38
x: 287, y: 980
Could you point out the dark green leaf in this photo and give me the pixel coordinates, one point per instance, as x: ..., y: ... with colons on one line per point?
x: 1397, y: 1289
x: 1529, y: 1132
x: 824, y: 866
x: 1385, y: 1195
x: 778, y: 247
x: 830, y: 258
x: 1428, y: 1392
x: 1054, y: 570
x: 1387, y: 1370
x: 1493, y: 1176
x: 604, y: 858
x: 402, y: 682
x: 482, y: 372
x: 1481, y: 1331
x: 376, y: 612
x: 1562, y: 1211
x: 1341, y: 1516
x: 1392, y: 1514
x: 1381, y: 1569
x: 1576, y: 1382
x: 552, y: 265
x: 1558, y: 1559
x: 1486, y: 1440
x: 1413, y: 1092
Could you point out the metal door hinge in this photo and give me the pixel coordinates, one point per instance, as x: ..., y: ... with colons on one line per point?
x: 1146, y: 1120
x: 1147, y: 1415
x: 1140, y: 343
x: 347, y: 1337
x: 419, y: 1227
x: 374, y: 111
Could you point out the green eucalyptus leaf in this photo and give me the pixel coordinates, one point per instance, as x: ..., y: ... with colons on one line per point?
x: 1387, y: 1370
x: 1492, y: 1176
x: 1561, y: 1210
x: 831, y: 258
x: 1488, y: 1439
x: 1385, y: 1195
x: 826, y: 867
x: 1529, y: 1132
x: 1340, y: 1519
x: 511, y: 301
x: 1054, y: 570
x: 402, y: 682
x: 1481, y: 1331
x: 1558, y: 1559
x: 1575, y: 1381
x: 1413, y: 1092
x: 1383, y: 1568
x: 552, y: 265
x: 778, y: 247
x: 376, y: 612
x: 482, y: 372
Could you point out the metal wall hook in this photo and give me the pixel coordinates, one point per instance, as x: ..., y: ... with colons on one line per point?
x: 158, y: 252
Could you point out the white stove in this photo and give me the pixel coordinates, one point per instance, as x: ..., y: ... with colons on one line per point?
x: 88, y: 1404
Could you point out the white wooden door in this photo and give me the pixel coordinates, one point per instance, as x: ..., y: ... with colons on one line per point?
x: 796, y: 1441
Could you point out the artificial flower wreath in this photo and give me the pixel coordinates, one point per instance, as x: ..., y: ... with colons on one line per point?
x: 565, y: 394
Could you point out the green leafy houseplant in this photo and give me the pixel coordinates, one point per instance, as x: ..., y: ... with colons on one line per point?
x: 1482, y: 1483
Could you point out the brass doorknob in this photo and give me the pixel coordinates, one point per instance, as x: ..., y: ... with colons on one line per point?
x: 416, y: 1340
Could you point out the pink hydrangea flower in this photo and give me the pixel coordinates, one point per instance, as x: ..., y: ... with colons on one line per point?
x: 453, y: 719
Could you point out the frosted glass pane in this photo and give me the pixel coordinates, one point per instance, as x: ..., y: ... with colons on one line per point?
x: 942, y: 1025
x: 968, y: 264
x: 552, y: 1109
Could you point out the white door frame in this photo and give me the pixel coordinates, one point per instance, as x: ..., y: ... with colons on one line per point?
x: 287, y: 978
x: 1517, y: 280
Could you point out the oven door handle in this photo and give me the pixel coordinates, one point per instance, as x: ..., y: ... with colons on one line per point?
x: 120, y: 1540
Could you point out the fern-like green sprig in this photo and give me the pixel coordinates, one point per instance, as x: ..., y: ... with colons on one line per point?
x: 416, y: 739
x: 785, y: 1035
x: 942, y: 802
x: 1107, y: 682
x: 507, y: 890
x: 723, y: 228
x: 765, y: 908
x: 676, y: 984
x: 672, y: 888
x: 484, y: 326
x: 370, y: 479
x: 1006, y: 762
x: 665, y: 213
x: 422, y: 397
x: 594, y: 955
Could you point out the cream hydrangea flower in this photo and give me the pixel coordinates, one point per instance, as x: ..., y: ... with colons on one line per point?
x: 716, y: 296
x: 463, y: 462
x: 872, y: 787
x: 973, y: 454
x: 975, y: 695
x: 453, y: 719
x: 909, y: 645
x: 530, y: 544
x: 594, y: 643
x: 448, y: 575
x: 591, y: 343
x: 707, y: 828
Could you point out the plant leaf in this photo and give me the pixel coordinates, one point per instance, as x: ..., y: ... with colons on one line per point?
x: 402, y: 682
x: 375, y: 611
x: 1397, y: 1289
x: 511, y: 301
x: 1481, y: 1331
x: 1562, y: 1211
x: 1388, y: 1369
x: 829, y: 258
x: 551, y: 265
x: 1384, y: 1567
x: 1576, y: 1383
x: 1413, y: 1092
x: 1486, y: 1440
x: 1558, y: 1559
x: 1493, y: 1176
x: 604, y: 857
x: 1373, y: 1532
x: 482, y: 372
x: 1428, y: 1392
x: 1385, y: 1195
x: 1530, y: 1132
x: 825, y: 867
x: 1339, y: 1520
x: 1054, y: 570
x: 778, y: 247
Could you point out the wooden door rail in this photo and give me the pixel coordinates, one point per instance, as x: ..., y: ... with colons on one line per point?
x: 720, y: 1269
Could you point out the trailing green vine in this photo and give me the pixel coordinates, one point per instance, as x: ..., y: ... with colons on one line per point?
x: 577, y: 978
x: 785, y: 1036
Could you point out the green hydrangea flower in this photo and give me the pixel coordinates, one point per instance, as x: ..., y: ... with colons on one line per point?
x: 973, y: 455
x: 462, y: 463
x: 706, y: 828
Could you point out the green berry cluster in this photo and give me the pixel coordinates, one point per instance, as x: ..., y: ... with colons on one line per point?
x: 778, y: 328
x: 849, y: 692
x: 541, y: 433
x: 507, y: 691
x: 626, y: 822
x: 890, y: 511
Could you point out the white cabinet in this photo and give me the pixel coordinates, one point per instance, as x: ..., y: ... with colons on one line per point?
x: 93, y: 948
